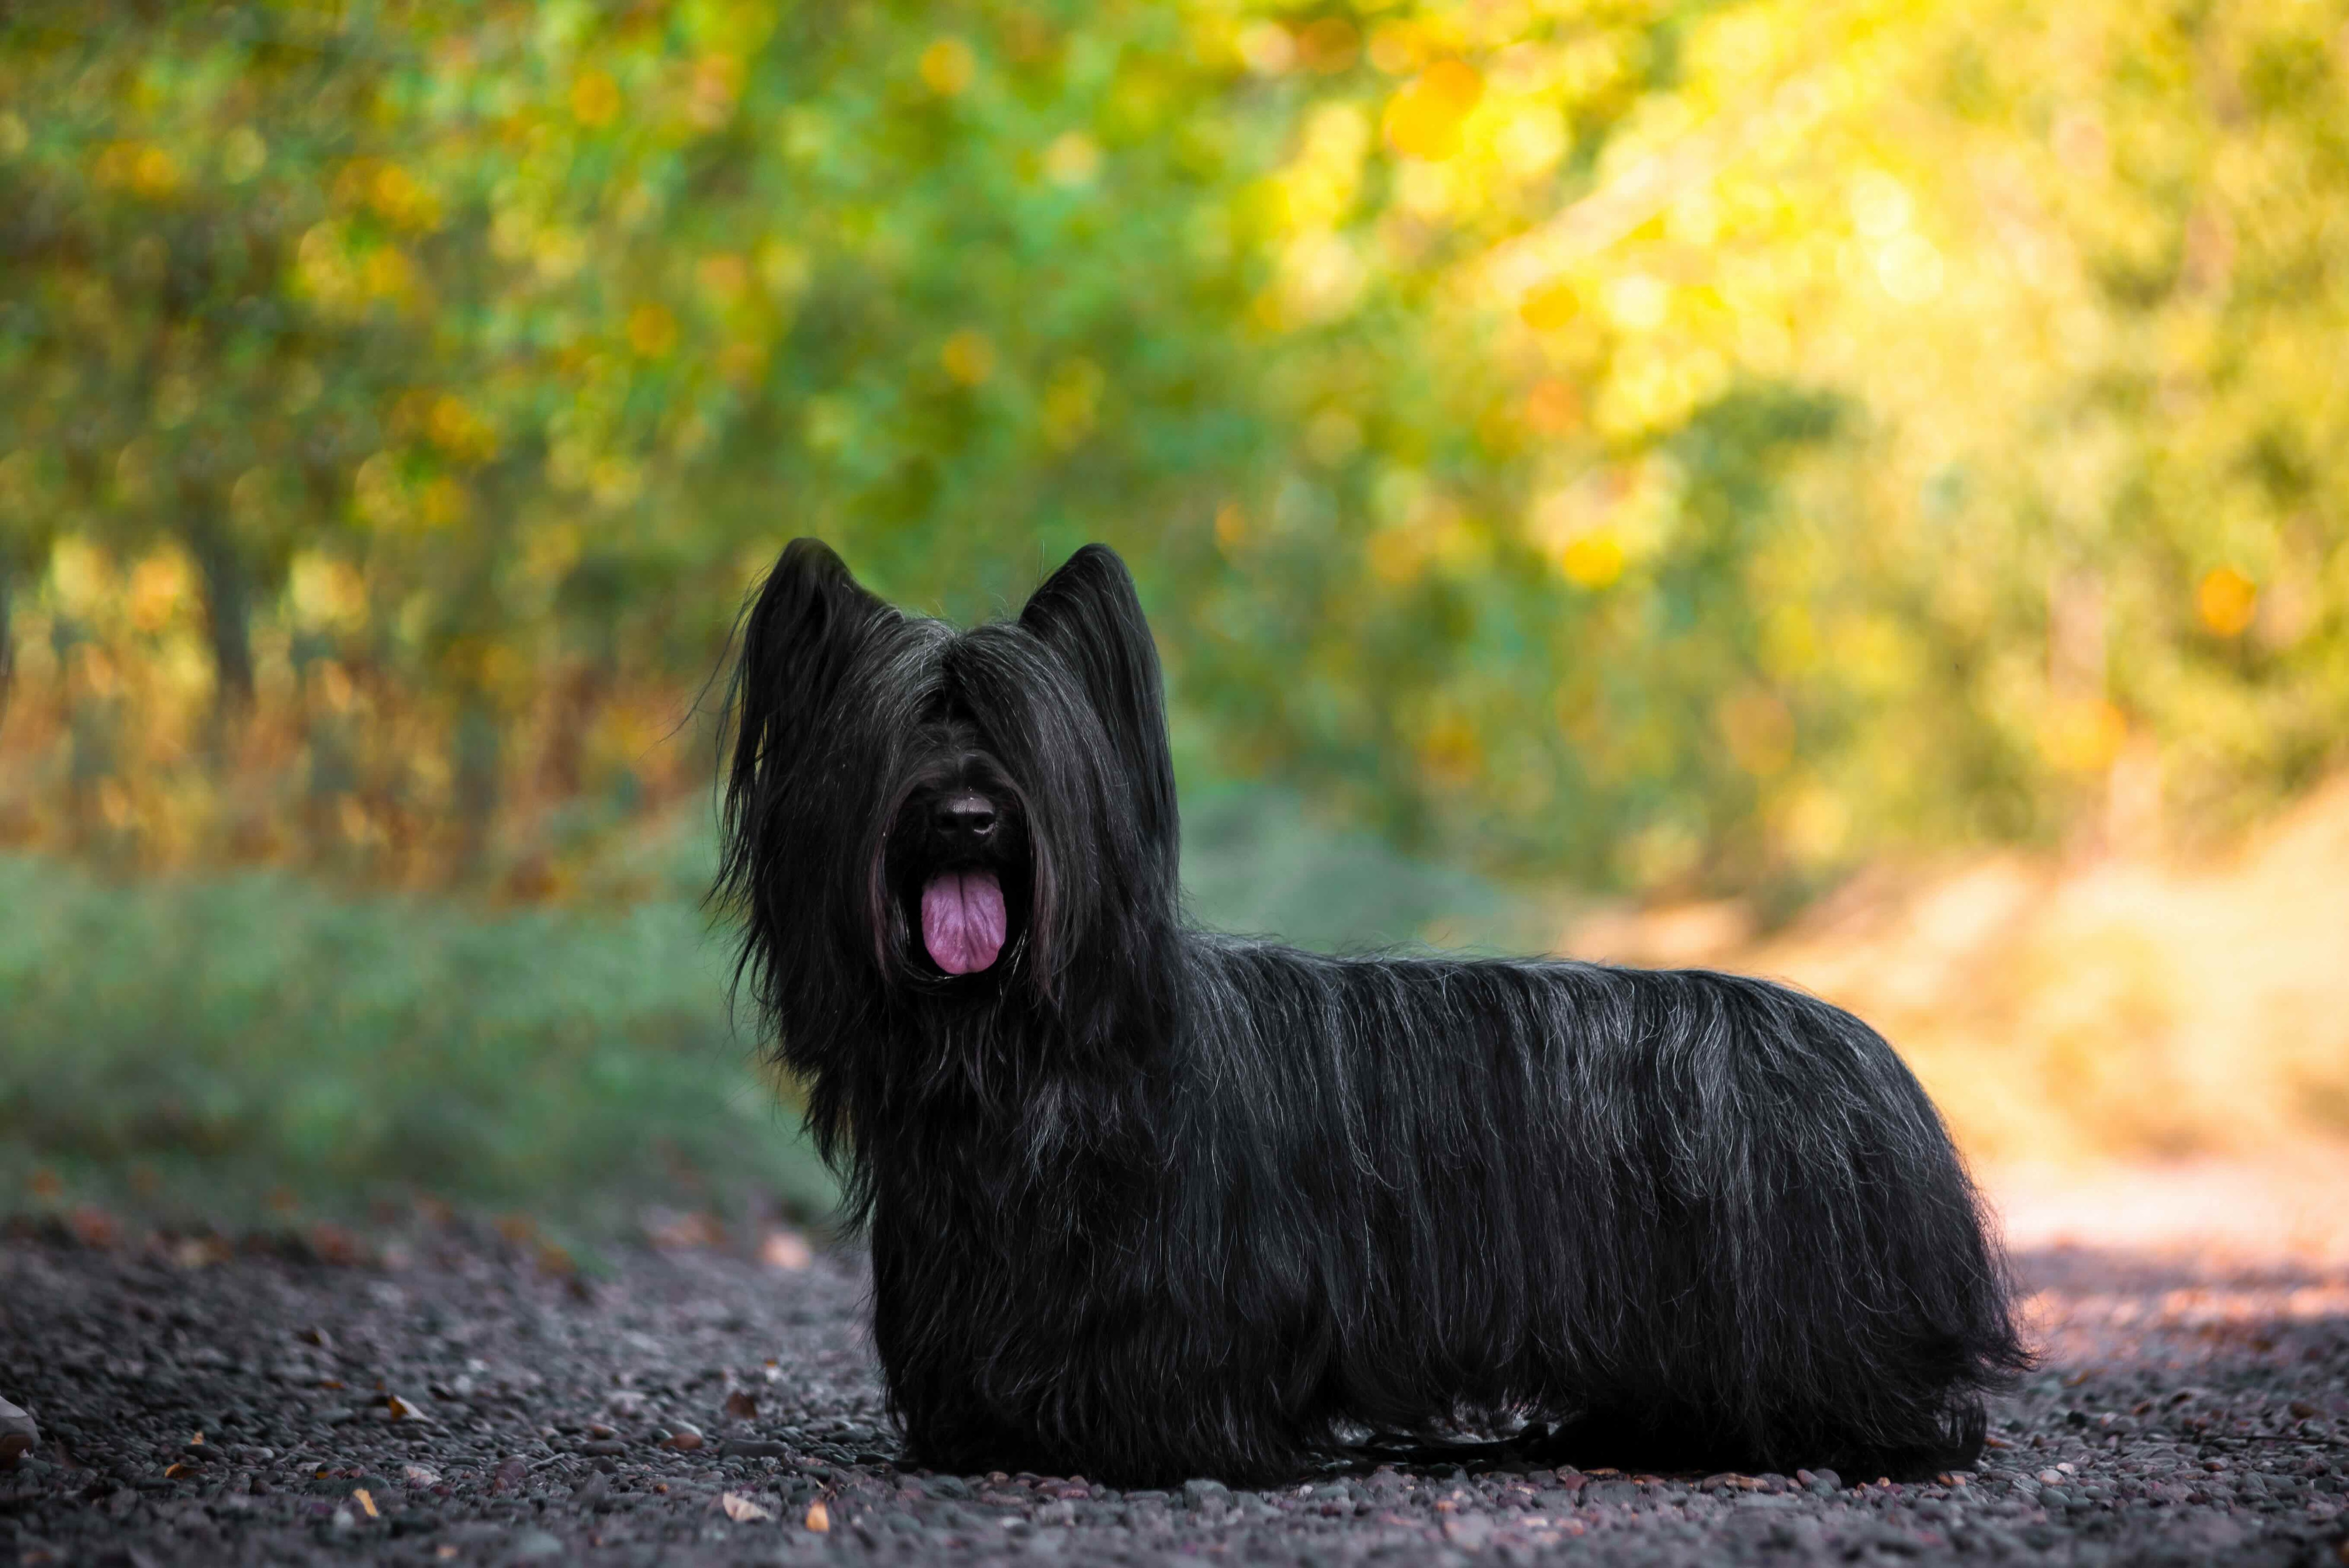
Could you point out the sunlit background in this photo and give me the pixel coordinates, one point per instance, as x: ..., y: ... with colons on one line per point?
x: 1855, y: 492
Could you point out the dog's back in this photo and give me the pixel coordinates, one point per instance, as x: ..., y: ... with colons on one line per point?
x: 1712, y: 1217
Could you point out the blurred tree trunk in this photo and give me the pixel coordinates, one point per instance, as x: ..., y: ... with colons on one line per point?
x: 7, y: 636
x: 476, y: 783
x: 577, y: 699
x: 228, y: 599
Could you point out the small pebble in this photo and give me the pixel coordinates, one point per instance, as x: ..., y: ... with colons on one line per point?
x: 1205, y: 1494
x: 19, y: 1434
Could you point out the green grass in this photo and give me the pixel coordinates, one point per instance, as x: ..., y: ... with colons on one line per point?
x: 192, y: 1049
x: 198, y: 1045
x: 1258, y: 862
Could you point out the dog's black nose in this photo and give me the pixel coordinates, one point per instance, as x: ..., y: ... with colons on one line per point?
x: 967, y: 816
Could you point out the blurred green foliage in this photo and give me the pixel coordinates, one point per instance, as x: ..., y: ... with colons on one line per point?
x: 221, y: 1050
x: 207, y: 1049
x: 1258, y: 862
x: 1655, y: 444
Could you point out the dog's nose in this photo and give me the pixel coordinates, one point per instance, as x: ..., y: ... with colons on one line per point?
x: 967, y: 816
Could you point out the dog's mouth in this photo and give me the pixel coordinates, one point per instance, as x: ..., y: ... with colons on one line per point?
x: 956, y: 866
x: 964, y: 920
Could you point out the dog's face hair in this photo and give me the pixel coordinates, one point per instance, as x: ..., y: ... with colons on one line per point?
x: 959, y: 880
x: 952, y: 822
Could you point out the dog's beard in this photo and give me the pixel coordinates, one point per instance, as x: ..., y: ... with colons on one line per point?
x: 963, y: 920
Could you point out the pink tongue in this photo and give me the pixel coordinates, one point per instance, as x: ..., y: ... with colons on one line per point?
x: 962, y: 921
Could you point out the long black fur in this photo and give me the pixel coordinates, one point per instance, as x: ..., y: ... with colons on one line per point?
x: 1146, y: 1201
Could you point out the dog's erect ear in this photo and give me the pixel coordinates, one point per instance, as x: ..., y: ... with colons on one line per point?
x: 1088, y: 614
x: 797, y: 640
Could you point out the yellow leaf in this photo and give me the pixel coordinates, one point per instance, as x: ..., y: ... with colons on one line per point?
x: 1551, y: 305
x: 1423, y: 119
x: 968, y: 357
x: 2225, y: 600
x: 948, y: 66
x: 1552, y: 407
x: 2083, y: 735
x: 1073, y: 158
x: 595, y: 99
x: 652, y: 330
x: 1592, y: 560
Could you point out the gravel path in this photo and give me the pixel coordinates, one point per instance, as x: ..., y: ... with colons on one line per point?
x: 452, y: 1398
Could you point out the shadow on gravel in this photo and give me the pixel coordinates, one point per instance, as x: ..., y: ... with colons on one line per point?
x: 459, y: 1403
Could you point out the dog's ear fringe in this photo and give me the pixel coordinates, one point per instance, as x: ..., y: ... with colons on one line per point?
x: 1088, y: 614
x: 798, y: 633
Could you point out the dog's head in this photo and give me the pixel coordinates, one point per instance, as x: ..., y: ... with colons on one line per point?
x: 955, y: 814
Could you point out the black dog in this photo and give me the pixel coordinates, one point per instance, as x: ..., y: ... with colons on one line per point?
x: 1148, y: 1202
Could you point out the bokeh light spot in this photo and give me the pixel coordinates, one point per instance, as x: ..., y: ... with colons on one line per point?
x: 948, y: 66
x: 2225, y: 600
x: 594, y: 100
x: 1269, y: 49
x: 1553, y: 408
x: 652, y: 330
x: 1423, y: 119
x: 1637, y: 302
x: 1328, y: 45
x: 968, y: 357
x: 1551, y: 305
x: 2083, y: 735
x: 1072, y: 159
x: 1592, y: 560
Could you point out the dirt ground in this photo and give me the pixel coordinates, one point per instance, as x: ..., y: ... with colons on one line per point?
x: 451, y: 1394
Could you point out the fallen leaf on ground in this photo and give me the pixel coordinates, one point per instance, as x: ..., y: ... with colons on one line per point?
x: 786, y: 1249
x: 742, y: 1509
x: 679, y: 1233
x: 365, y: 1500
x: 334, y: 1245
x: 741, y: 1406
x: 819, y: 1518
